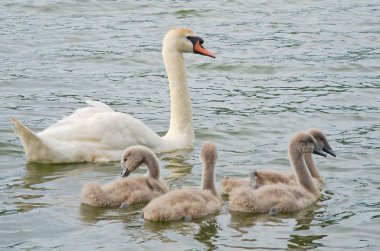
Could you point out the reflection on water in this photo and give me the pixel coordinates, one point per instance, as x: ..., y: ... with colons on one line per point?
x: 41, y: 173
x: 92, y: 215
x: 177, y: 164
x: 304, y: 220
x: 208, y: 233
x: 305, y: 242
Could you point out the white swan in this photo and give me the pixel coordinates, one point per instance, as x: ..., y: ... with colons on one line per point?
x: 281, y: 197
x: 97, y: 133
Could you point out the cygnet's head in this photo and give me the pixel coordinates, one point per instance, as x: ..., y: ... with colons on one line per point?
x: 209, y: 153
x: 321, y: 140
x: 184, y: 41
x: 303, y: 142
x: 133, y: 157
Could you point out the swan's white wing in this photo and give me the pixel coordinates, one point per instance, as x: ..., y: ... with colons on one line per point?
x: 83, y: 113
x: 103, y: 129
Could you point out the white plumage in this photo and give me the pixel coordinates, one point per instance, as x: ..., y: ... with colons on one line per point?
x: 98, y: 133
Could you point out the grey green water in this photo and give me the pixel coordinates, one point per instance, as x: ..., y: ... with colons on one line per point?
x: 281, y: 67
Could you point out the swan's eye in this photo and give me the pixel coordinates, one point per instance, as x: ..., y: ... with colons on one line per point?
x: 125, y: 159
x: 195, y: 39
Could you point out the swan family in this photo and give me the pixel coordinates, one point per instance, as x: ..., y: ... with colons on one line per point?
x: 98, y: 133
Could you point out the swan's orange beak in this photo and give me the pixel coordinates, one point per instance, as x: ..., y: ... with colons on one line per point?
x: 199, y: 49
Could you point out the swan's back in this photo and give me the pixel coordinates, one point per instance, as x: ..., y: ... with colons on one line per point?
x: 283, y: 197
x: 230, y: 183
x: 112, y: 131
x: 131, y: 190
x: 182, y: 204
x: 136, y: 189
x: 95, y: 133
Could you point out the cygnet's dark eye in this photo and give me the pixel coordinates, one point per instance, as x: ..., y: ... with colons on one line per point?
x: 125, y: 159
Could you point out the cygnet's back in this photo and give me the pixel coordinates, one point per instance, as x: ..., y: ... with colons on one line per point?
x: 128, y: 190
x: 188, y: 203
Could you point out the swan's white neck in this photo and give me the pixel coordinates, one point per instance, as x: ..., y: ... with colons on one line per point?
x: 181, y: 118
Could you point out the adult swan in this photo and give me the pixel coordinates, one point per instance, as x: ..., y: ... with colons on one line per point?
x: 97, y: 133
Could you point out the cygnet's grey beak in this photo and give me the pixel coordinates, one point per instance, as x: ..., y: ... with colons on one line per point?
x: 326, y: 148
x: 125, y: 172
x: 316, y: 150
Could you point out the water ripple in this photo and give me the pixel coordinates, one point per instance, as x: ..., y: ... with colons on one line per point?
x: 280, y: 68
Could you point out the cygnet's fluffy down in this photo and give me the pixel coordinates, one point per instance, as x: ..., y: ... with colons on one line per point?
x: 282, y: 197
x: 270, y: 199
x: 230, y: 183
x: 188, y: 203
x: 128, y: 190
x: 266, y: 177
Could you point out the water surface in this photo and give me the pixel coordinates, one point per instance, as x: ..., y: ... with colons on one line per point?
x: 280, y: 68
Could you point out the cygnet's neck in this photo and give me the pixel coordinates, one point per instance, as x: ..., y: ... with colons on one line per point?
x: 302, y: 173
x: 208, y: 177
x: 311, y: 166
x: 153, y: 167
x: 181, y: 117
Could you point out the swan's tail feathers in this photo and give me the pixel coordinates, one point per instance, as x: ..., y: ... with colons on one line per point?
x: 22, y: 131
x: 99, y: 105
x: 27, y: 136
x: 32, y: 143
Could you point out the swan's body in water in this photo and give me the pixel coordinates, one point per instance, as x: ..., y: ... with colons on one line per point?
x: 97, y: 133
x: 277, y: 198
x: 128, y: 190
x: 188, y: 203
x: 265, y: 177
